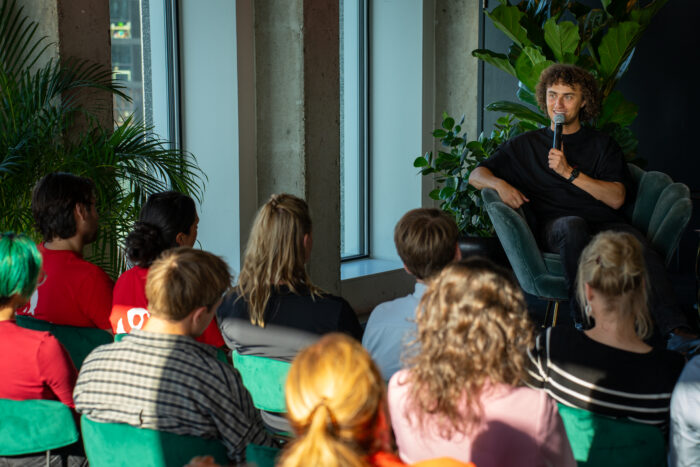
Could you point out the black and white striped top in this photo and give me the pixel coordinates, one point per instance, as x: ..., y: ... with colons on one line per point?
x: 169, y: 383
x: 580, y: 372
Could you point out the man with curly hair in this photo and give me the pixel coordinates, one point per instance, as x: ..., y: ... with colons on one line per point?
x: 572, y: 193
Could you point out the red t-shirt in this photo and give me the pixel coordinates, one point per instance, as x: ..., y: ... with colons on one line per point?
x: 34, y: 365
x: 75, y: 292
x: 129, y: 307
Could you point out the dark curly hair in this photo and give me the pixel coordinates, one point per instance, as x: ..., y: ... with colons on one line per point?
x: 570, y: 75
x: 53, y: 200
x: 163, y: 216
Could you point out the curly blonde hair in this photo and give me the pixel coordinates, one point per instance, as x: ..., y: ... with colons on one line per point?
x: 275, y: 254
x: 613, y: 265
x: 473, y: 330
x: 335, y: 397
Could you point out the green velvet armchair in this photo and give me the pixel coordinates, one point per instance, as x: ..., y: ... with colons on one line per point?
x: 661, y: 210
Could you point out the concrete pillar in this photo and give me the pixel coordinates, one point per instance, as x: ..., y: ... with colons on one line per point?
x: 456, y: 71
x: 77, y: 29
x: 298, y: 117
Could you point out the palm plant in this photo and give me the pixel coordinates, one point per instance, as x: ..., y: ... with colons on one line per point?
x: 39, y: 106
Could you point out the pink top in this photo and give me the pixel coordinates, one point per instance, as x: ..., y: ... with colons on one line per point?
x: 521, y: 426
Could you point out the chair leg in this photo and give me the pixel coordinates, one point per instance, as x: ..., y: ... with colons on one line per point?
x: 556, y: 313
x: 546, y: 314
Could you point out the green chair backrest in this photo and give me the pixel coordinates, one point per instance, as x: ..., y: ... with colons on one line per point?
x: 264, y: 378
x: 119, y: 444
x: 261, y: 456
x: 34, y: 426
x: 602, y: 441
x: 79, y: 342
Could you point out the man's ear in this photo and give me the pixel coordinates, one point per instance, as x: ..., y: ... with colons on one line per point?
x: 180, y: 239
x: 80, y: 212
x: 458, y: 252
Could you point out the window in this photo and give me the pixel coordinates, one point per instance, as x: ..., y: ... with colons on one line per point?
x: 144, y: 42
x: 353, y: 130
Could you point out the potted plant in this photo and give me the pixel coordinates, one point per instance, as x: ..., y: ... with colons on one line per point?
x: 38, y: 107
x: 543, y: 32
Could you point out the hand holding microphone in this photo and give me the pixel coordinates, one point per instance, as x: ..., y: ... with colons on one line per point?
x: 556, y: 159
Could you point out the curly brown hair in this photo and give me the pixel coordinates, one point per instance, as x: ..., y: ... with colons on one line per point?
x: 473, y: 331
x: 570, y: 75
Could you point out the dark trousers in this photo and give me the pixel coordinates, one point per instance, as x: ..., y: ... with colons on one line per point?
x: 569, y: 235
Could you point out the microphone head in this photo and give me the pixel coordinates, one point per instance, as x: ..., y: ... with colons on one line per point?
x: 559, y: 119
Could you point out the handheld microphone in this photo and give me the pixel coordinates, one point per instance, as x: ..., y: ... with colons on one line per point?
x: 558, y: 123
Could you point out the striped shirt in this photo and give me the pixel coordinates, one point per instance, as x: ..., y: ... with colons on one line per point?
x: 169, y: 383
x: 580, y: 372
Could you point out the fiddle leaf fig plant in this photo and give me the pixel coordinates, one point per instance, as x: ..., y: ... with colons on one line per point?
x: 601, y: 40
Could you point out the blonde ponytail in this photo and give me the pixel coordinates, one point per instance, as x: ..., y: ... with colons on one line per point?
x: 334, y: 396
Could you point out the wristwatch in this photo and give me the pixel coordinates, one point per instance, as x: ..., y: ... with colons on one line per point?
x: 574, y: 174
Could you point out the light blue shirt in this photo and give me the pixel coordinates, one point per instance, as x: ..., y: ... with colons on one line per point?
x: 685, y: 418
x: 389, y: 328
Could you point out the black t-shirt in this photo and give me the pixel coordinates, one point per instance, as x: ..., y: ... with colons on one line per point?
x: 523, y: 162
x: 292, y: 322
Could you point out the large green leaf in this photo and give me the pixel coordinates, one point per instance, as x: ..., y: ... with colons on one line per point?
x: 529, y: 66
x: 500, y: 61
x: 616, y: 109
x: 615, y: 46
x: 562, y: 39
x: 525, y: 95
x: 644, y: 15
x: 520, y: 111
x: 507, y: 19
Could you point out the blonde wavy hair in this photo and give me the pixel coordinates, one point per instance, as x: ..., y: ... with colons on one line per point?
x: 473, y: 330
x: 335, y: 397
x: 275, y: 254
x: 613, y: 265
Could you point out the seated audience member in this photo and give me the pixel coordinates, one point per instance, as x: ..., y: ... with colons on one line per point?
x: 685, y: 418
x: 75, y: 292
x: 167, y: 220
x: 426, y: 240
x: 34, y: 365
x: 275, y: 310
x: 337, y: 407
x: 609, y: 369
x: 160, y: 377
x: 460, y: 395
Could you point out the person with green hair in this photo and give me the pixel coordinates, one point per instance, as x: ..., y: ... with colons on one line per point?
x: 34, y: 364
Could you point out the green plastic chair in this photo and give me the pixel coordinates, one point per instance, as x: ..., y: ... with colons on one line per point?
x: 661, y: 211
x: 264, y: 378
x: 599, y: 441
x: 79, y: 342
x: 261, y: 456
x: 35, y: 426
x: 122, y: 445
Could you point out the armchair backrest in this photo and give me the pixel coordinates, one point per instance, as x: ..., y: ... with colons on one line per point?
x: 264, y: 378
x: 34, y: 426
x: 119, y: 444
x: 79, y: 342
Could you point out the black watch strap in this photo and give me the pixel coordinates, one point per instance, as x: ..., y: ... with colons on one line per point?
x: 574, y: 174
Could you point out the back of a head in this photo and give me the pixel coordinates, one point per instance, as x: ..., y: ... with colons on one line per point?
x: 275, y: 253
x: 613, y: 265
x: 473, y: 328
x: 20, y: 264
x: 572, y: 76
x: 334, y: 395
x: 54, y: 199
x: 163, y: 216
x: 425, y: 240
x: 184, y: 279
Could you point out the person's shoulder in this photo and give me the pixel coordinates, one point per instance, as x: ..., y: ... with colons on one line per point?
x: 394, y: 310
x: 672, y: 361
x: 11, y: 331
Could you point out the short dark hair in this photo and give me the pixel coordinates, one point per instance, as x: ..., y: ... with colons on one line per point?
x: 163, y: 216
x: 425, y: 240
x: 570, y: 75
x: 53, y: 200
